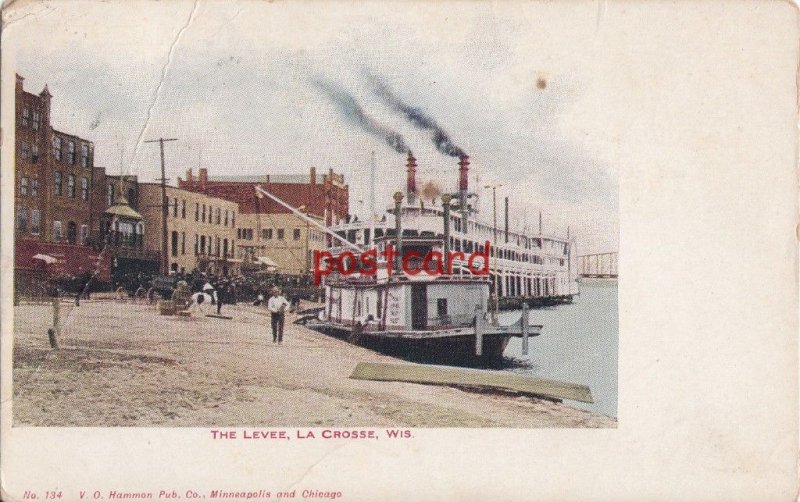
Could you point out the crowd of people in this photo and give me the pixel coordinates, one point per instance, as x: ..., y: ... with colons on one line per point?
x: 240, y: 288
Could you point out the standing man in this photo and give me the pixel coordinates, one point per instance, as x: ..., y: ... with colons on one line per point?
x: 221, y: 294
x: 277, y: 307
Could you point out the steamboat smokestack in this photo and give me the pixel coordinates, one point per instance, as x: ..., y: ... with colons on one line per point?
x: 463, y: 170
x: 411, y: 177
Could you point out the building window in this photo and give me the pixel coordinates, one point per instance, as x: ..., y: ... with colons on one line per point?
x: 175, y: 208
x: 57, y: 231
x: 84, y: 233
x: 71, y: 186
x: 202, y: 244
x: 71, y: 152
x: 197, y: 212
x: 25, y: 150
x: 34, y: 153
x: 280, y: 234
x: 22, y: 218
x: 84, y: 155
x: 37, y: 119
x: 174, y: 243
x: 204, y: 213
x: 233, y: 219
x: 217, y: 246
x: 36, y: 221
x: 183, y: 209
x: 57, y: 147
x: 296, y: 234
x: 26, y: 116
x: 57, y: 183
x: 110, y: 195
x: 34, y: 187
x: 183, y: 243
x: 266, y: 233
x: 85, y: 188
x: 226, y: 217
x: 23, y: 186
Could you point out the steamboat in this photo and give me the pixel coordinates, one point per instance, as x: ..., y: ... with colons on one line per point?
x: 438, y: 296
x: 524, y: 268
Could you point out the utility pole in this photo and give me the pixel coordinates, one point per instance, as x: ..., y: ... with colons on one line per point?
x: 506, y: 231
x: 164, y: 206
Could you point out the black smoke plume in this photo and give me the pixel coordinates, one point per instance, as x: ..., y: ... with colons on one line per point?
x: 416, y: 117
x: 350, y: 109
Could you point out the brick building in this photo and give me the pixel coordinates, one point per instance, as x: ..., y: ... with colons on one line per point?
x: 267, y: 230
x: 55, y: 176
x: 55, y: 204
x: 201, y: 229
x: 325, y: 195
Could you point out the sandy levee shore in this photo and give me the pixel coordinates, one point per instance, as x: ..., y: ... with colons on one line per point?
x: 123, y: 364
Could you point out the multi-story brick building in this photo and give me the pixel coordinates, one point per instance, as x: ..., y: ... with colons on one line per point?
x: 55, y: 187
x: 326, y: 195
x: 201, y: 229
x: 55, y: 175
x: 268, y: 230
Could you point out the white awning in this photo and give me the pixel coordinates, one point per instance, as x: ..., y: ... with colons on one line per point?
x: 45, y: 258
x: 266, y: 260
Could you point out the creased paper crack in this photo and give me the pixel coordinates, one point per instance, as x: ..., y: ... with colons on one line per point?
x: 164, y: 71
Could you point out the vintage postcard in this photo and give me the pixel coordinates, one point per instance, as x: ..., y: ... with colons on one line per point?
x: 399, y: 251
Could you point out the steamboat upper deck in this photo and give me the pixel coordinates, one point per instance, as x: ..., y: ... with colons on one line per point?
x: 525, y: 266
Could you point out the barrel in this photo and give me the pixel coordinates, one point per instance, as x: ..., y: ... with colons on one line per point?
x: 166, y: 307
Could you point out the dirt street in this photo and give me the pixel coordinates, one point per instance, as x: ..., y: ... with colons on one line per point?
x: 122, y: 364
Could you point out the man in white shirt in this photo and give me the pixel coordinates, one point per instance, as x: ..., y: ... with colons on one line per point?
x: 277, y: 307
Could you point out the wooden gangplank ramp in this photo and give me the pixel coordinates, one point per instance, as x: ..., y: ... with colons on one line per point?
x: 448, y: 375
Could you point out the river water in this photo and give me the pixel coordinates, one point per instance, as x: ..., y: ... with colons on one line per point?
x: 578, y: 344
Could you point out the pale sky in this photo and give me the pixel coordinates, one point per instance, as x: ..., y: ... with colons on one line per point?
x: 235, y: 83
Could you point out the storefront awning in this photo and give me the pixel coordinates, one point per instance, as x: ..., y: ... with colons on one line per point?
x: 266, y: 260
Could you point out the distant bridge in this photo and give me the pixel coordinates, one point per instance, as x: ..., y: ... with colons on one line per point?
x: 598, y: 265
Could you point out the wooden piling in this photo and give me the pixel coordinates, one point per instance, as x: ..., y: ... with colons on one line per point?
x: 479, y: 329
x: 54, y: 332
x: 525, y: 328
